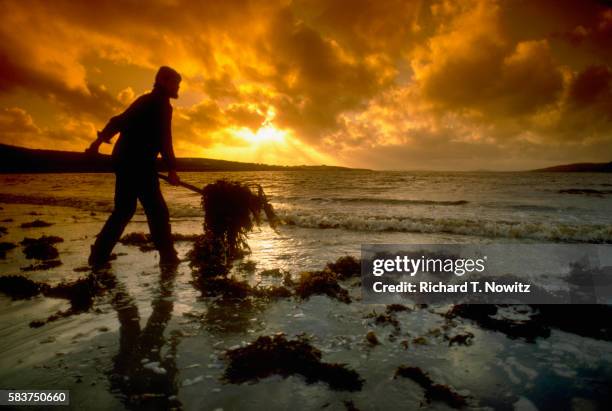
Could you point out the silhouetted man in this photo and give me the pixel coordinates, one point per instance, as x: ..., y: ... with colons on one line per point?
x: 145, y: 129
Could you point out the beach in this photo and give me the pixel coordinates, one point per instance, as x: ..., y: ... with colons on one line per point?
x: 150, y: 337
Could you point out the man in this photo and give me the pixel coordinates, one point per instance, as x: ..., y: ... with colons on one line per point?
x: 145, y: 129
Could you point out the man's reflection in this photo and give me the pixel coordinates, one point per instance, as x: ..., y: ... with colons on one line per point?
x: 146, y: 378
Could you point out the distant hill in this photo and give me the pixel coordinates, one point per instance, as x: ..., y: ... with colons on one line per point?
x: 15, y: 159
x: 579, y: 168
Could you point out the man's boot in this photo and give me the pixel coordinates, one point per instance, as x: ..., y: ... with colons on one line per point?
x: 97, y: 259
x: 168, y: 256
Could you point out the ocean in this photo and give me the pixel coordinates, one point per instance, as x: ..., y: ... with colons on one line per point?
x: 327, y: 213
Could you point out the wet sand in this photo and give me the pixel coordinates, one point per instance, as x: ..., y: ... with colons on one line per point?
x: 151, y: 338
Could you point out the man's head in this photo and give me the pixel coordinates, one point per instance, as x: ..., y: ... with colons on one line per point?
x: 168, y: 81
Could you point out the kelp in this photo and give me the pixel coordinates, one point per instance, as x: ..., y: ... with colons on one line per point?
x: 79, y: 293
x: 321, y: 282
x: 20, y: 288
x: 6, y: 246
x: 231, y: 211
x: 433, y: 392
x: 41, y: 248
x: 229, y: 287
x: 345, y: 267
x: 36, y: 224
x: 275, y: 355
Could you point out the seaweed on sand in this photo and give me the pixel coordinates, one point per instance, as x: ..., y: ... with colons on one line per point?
x: 276, y: 355
x: 79, y: 293
x: 231, y: 211
x: 389, y: 317
x: 345, y: 267
x: 384, y: 319
x: 226, y: 287
x: 4, y: 247
x: 322, y: 282
x: 460, y: 339
x: 41, y: 248
x: 433, y: 392
x: 395, y: 308
x: 232, y: 288
x: 19, y: 287
x: 272, y: 292
x: 325, y: 282
x: 209, y: 258
x: 36, y: 223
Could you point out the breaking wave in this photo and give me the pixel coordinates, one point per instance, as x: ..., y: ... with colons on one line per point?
x: 543, y: 231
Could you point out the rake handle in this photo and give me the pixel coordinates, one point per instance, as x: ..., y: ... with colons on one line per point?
x: 182, y: 184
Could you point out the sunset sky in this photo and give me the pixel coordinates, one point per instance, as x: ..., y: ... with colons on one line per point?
x: 441, y: 85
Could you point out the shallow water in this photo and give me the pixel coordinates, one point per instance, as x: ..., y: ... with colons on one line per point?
x: 330, y: 214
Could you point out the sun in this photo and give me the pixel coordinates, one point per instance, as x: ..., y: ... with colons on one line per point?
x: 267, y: 133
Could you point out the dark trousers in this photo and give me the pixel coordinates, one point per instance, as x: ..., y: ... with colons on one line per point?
x: 131, y: 186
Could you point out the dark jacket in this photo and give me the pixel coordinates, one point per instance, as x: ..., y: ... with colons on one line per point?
x: 145, y: 129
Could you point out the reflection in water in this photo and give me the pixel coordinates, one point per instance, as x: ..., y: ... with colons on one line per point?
x: 141, y: 374
x: 232, y: 315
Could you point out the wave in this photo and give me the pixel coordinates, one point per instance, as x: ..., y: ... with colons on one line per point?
x: 543, y: 231
x: 393, y: 201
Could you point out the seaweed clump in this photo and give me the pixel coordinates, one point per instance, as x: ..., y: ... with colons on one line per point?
x: 433, y: 392
x: 80, y: 293
x: 36, y: 223
x: 345, y: 267
x: 278, y: 356
x: 232, y: 288
x: 41, y: 248
x: 325, y: 282
x: 322, y: 282
x: 231, y: 211
x: 4, y: 247
x: 20, y: 288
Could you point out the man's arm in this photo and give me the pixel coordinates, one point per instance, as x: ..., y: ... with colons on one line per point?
x: 115, y: 125
x: 167, y: 150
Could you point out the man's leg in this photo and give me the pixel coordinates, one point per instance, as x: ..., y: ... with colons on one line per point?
x: 125, y: 206
x: 158, y: 218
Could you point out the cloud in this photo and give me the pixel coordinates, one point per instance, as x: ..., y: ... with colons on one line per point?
x: 415, y: 82
x: 472, y: 64
x: 15, y: 122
